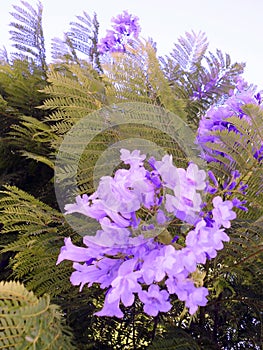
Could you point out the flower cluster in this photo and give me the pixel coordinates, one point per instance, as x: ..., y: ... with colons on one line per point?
x: 216, y: 119
x: 126, y: 263
x: 125, y: 26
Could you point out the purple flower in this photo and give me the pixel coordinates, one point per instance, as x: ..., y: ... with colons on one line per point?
x: 186, y: 201
x: 158, y: 263
x: 184, y: 207
x: 125, y: 284
x: 155, y: 300
x: 205, y: 240
x: 196, y: 298
x: 239, y: 204
x: 103, y: 272
x: 110, y: 309
x: 161, y: 217
x: 110, y: 237
x: 187, y: 259
x: 150, y: 270
x: 236, y: 174
x: 111, y: 42
x: 116, y: 196
x: 216, y: 119
x: 84, y: 206
x: 213, y: 178
x: 134, y: 158
x: 167, y: 171
x: 195, y: 177
x: 186, y: 291
x: 71, y: 252
x: 222, y: 212
x: 259, y: 154
x: 125, y: 26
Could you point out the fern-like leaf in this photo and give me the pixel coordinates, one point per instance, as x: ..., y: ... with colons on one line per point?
x: 28, y: 322
x: 28, y: 33
x: 190, y: 50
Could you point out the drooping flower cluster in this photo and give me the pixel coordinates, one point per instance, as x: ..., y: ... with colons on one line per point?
x: 216, y: 119
x: 126, y: 263
x: 125, y: 26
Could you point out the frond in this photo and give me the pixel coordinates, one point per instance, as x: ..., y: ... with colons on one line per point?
x: 28, y: 35
x: 4, y: 58
x: 243, y: 255
x: 82, y: 38
x: 28, y: 322
x: 33, y: 139
x: 126, y: 76
x: 39, y: 233
x: 19, y: 207
x: 21, y: 83
x: 199, y: 79
x: 63, y: 51
x: 74, y: 89
x: 137, y: 76
x: 81, y: 33
x: 74, y: 92
x: 190, y: 50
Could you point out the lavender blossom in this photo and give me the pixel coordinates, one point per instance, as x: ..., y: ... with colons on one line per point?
x: 125, y: 265
x: 155, y: 300
x: 125, y: 284
x: 125, y: 27
x: 222, y: 212
x: 216, y: 119
x: 110, y: 309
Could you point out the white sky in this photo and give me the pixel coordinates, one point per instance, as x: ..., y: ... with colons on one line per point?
x: 233, y: 26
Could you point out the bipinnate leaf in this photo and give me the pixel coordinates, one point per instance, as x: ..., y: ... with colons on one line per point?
x: 28, y: 322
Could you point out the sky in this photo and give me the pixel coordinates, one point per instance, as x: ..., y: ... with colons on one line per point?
x: 233, y: 26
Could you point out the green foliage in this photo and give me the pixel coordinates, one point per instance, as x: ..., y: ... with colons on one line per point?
x: 28, y: 322
x: 138, y: 70
x: 74, y: 90
x: 20, y: 84
x: 40, y: 231
x: 21, y: 78
x: 33, y: 138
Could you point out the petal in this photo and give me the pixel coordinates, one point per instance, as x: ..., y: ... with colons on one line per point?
x: 73, y: 253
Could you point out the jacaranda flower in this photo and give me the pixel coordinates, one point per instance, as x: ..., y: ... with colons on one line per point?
x: 129, y: 265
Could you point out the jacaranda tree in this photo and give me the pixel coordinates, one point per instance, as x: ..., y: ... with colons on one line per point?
x: 131, y: 192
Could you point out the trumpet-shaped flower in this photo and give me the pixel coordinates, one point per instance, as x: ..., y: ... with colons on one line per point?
x: 155, y: 300
x: 129, y: 265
